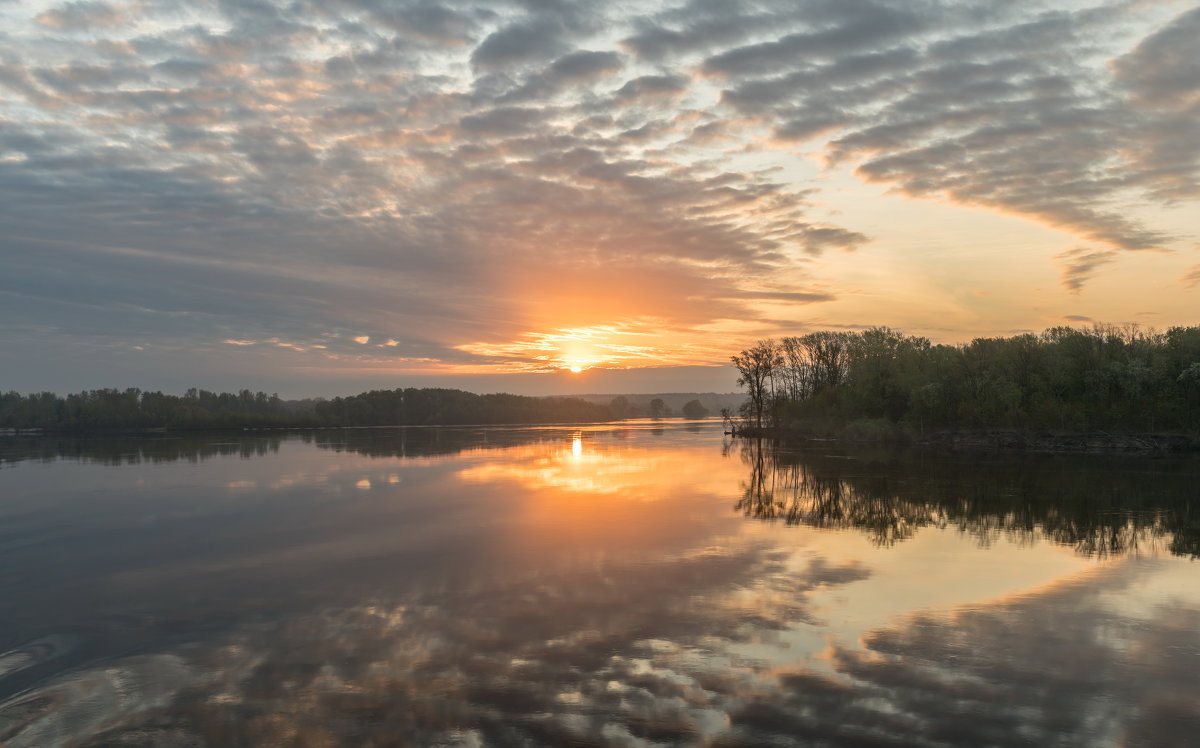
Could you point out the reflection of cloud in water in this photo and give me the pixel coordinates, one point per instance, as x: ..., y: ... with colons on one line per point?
x: 589, y: 659
x: 598, y: 655
x: 1057, y: 667
x: 33, y: 653
x: 92, y: 701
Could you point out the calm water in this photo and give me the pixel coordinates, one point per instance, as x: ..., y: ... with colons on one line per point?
x: 631, y: 585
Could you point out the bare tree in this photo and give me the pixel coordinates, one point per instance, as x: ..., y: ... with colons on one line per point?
x: 756, y: 367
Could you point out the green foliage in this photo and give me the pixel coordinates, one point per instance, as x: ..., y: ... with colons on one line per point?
x: 1106, y: 377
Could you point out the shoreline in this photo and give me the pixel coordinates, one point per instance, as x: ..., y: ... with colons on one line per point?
x: 189, y: 430
x: 1039, y: 441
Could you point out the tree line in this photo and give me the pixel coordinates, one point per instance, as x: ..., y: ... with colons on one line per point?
x: 116, y: 409
x: 133, y: 408
x: 1104, y: 377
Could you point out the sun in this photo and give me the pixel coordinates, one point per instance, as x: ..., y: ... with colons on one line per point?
x: 575, y: 368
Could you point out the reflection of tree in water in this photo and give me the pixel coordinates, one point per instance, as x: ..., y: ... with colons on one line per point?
x: 135, y: 450
x: 1101, y: 506
x: 799, y: 495
x: 427, y: 442
x: 162, y: 448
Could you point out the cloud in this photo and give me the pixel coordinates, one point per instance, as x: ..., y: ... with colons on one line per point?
x: 80, y: 16
x: 855, y: 28
x: 443, y: 175
x: 1161, y: 75
x: 584, y: 65
x: 424, y: 20
x: 1008, y: 118
x: 699, y: 26
x: 1080, y: 264
x: 519, y: 43
x: 502, y: 121
x: 1191, y: 278
x: 1163, y: 70
x: 652, y: 86
x: 802, y: 297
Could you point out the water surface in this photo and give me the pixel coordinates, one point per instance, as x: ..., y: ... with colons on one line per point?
x: 632, y: 584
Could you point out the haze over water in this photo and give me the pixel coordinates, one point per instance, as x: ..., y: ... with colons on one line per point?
x: 623, y: 584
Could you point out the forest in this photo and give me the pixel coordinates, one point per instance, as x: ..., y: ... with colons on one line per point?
x: 880, y: 381
x: 132, y: 409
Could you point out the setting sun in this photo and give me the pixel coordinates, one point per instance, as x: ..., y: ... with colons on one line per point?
x: 889, y: 314
x: 630, y: 195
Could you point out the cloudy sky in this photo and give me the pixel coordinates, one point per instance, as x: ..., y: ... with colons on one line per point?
x: 316, y: 197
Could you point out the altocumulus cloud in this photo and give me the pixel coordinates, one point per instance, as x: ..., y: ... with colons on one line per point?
x: 455, y: 176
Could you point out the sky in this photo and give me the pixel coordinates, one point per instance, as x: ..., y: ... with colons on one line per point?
x: 321, y: 197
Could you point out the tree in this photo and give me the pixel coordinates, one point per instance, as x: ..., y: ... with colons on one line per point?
x: 694, y: 409
x: 756, y: 368
x: 829, y: 354
x: 657, y: 408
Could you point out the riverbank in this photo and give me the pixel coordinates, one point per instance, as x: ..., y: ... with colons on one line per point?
x: 873, y: 432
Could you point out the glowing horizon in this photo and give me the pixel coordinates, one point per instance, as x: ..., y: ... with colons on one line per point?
x: 314, y: 196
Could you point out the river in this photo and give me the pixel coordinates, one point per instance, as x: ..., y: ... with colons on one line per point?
x: 628, y: 584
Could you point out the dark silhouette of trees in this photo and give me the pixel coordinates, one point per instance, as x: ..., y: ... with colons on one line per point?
x: 694, y: 409
x: 757, y: 367
x: 1105, y: 377
x: 658, y: 408
x: 134, y: 409
x: 113, y: 409
x: 414, y: 407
